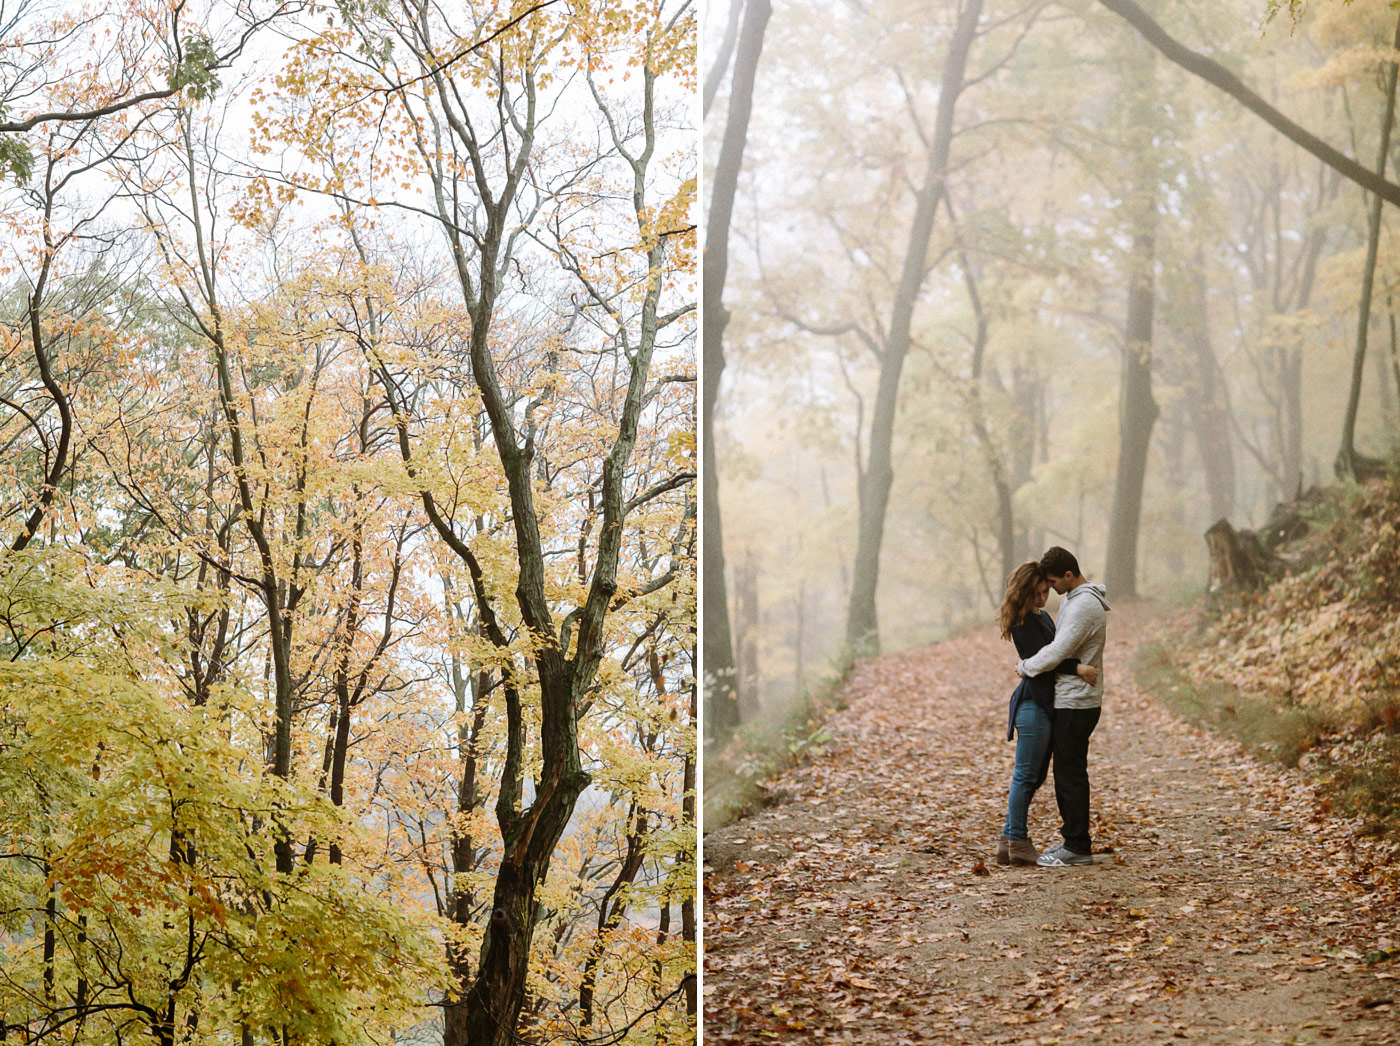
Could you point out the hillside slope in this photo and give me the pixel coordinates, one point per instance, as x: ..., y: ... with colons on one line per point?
x: 1306, y: 669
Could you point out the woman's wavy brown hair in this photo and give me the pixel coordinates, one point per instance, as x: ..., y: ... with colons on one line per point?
x: 1020, y: 596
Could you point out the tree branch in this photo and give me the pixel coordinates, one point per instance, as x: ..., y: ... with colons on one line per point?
x: 1216, y: 74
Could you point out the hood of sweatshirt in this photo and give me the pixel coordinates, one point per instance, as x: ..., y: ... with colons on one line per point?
x: 1090, y: 589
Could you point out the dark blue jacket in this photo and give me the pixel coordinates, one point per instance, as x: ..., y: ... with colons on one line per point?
x: 1030, y: 635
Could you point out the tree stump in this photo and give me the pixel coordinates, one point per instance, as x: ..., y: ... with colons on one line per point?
x: 1239, y: 562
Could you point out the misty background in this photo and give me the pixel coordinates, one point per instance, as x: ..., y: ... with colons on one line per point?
x: 1000, y: 276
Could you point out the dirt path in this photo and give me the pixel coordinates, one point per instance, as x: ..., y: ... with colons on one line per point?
x: 864, y: 905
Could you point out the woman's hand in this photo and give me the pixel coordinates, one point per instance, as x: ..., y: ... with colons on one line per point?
x: 1088, y: 673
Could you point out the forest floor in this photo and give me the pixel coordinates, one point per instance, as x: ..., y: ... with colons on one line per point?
x: 862, y: 903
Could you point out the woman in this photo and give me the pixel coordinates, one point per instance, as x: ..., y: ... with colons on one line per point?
x: 1024, y: 622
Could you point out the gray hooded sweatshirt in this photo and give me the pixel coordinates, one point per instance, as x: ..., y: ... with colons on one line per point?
x: 1079, y: 633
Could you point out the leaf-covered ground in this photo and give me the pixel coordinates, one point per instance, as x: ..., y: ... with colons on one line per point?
x: 863, y: 903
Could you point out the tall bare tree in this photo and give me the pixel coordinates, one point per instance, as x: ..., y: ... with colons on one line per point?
x: 722, y: 703
x: 1349, y: 463
x: 862, y: 619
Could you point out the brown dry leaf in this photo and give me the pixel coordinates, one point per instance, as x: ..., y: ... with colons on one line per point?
x: 865, y: 921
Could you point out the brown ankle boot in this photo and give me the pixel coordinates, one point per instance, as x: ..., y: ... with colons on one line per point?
x: 1021, y: 851
x: 1003, y: 854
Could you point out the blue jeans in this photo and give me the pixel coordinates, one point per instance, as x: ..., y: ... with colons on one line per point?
x: 1032, y: 761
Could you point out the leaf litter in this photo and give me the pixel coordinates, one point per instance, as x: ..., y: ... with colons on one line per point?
x: 862, y: 904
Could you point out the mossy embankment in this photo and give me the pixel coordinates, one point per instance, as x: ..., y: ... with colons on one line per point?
x: 734, y: 774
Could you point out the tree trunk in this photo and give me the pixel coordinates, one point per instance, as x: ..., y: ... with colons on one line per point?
x: 1206, y: 401
x: 1394, y: 347
x: 49, y: 489
x: 1026, y: 393
x: 1387, y: 390
x: 746, y: 668
x: 1137, y: 408
x: 1172, y: 442
x: 1290, y: 363
x: 1290, y: 374
x: 471, y: 798
x: 688, y: 811
x: 996, y: 469
x: 1137, y: 414
x: 1348, y: 462
x: 610, y: 912
x: 1238, y: 561
x: 721, y: 63
x: 862, y: 622
x: 721, y: 699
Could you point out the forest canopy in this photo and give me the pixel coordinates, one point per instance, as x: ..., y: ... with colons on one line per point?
x: 347, y: 522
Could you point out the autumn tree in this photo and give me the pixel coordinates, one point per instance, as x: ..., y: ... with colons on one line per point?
x: 557, y: 298
x: 335, y: 551
x: 86, y: 69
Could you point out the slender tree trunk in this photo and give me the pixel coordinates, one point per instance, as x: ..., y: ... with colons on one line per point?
x: 276, y: 593
x: 610, y: 912
x: 1025, y: 394
x: 746, y: 667
x: 50, y: 939
x: 1206, y: 402
x: 1394, y: 346
x: 49, y: 490
x: 1173, y: 443
x: 688, y: 812
x: 471, y: 799
x: 721, y: 63
x: 862, y: 622
x: 1347, y: 458
x: 1137, y: 414
x: 1387, y: 389
x: 340, y: 735
x: 1137, y: 408
x: 1290, y: 361
x: 996, y: 468
x: 721, y: 698
x: 1028, y: 446
x: 1290, y: 421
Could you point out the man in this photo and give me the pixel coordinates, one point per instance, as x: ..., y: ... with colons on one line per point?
x: 1079, y: 633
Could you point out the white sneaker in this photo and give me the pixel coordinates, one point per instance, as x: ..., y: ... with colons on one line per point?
x: 1062, y: 857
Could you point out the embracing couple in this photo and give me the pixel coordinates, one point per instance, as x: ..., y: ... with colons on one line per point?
x: 1056, y: 706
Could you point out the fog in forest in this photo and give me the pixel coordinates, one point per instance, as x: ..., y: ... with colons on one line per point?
x: 1002, y: 276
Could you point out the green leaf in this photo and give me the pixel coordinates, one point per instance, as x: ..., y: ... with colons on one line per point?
x: 16, y: 159
x: 196, y: 71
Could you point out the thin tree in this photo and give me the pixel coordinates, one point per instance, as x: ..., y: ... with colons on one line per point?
x: 720, y: 66
x: 721, y: 696
x: 1206, y: 400
x: 1137, y: 407
x: 862, y: 620
x: 480, y: 165
x: 1349, y: 464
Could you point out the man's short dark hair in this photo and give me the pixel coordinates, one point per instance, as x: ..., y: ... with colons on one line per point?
x: 1059, y: 561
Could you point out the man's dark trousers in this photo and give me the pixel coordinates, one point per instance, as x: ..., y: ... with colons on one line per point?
x: 1070, y: 743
